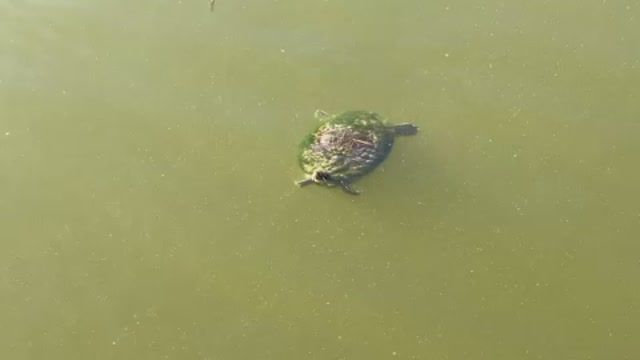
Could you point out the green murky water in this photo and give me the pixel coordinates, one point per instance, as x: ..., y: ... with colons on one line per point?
x: 147, y: 160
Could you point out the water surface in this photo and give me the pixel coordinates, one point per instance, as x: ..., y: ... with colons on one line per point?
x: 148, y: 153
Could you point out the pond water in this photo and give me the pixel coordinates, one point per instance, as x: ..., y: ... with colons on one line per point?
x: 148, y: 159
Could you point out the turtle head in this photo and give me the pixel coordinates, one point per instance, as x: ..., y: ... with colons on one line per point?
x: 319, y: 177
x: 330, y: 180
x: 325, y: 178
x: 322, y: 177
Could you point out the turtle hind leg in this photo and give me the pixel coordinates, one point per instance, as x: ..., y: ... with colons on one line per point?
x: 348, y: 189
x: 405, y: 129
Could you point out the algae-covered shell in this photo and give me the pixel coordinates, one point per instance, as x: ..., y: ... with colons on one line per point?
x: 347, y: 146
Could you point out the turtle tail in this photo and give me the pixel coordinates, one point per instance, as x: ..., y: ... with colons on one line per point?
x: 405, y: 129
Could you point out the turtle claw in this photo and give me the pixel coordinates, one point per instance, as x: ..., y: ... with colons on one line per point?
x: 321, y: 115
x: 305, y: 182
x: 348, y: 189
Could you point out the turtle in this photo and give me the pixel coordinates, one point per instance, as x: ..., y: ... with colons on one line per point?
x: 347, y: 146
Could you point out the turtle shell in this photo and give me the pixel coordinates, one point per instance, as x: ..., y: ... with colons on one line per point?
x: 347, y: 146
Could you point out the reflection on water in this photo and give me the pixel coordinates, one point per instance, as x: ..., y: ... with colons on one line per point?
x: 148, y: 153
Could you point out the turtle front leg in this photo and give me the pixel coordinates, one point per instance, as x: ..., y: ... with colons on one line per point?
x: 348, y: 189
x: 305, y: 182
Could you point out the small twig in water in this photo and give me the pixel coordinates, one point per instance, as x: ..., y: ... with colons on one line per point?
x: 212, y: 3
